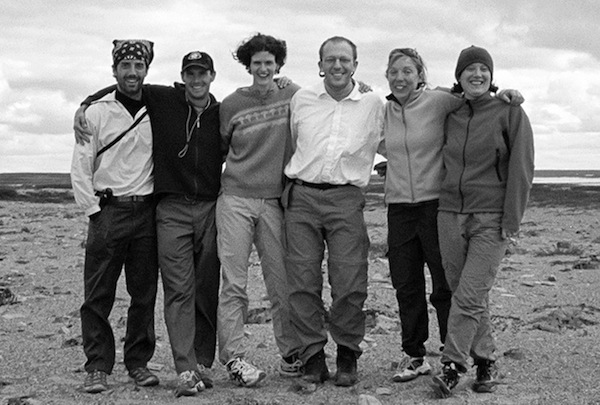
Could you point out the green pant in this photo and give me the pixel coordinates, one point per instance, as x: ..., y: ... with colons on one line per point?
x: 315, y: 217
x: 472, y: 248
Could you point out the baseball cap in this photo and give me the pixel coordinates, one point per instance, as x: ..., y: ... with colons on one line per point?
x: 197, y: 58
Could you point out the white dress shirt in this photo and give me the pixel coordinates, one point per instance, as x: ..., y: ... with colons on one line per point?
x: 334, y: 141
x: 126, y: 167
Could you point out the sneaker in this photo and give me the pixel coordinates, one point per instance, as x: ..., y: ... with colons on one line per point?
x: 416, y: 366
x: 205, y: 375
x: 487, y: 376
x: 290, y: 367
x: 143, y: 377
x: 444, y: 382
x: 315, y: 369
x: 95, y: 382
x: 346, y: 374
x: 244, y: 373
x: 189, y: 384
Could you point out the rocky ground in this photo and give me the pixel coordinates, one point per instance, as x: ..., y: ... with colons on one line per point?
x: 545, y: 306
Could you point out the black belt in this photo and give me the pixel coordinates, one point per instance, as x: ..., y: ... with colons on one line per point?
x: 132, y: 198
x: 320, y: 186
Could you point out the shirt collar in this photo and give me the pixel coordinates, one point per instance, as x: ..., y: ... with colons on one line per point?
x: 354, y: 94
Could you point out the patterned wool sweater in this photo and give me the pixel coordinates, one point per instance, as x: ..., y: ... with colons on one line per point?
x: 255, y: 131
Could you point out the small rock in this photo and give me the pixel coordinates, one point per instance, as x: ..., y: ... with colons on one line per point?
x: 259, y: 315
x: 528, y: 283
x: 551, y: 278
x: 303, y: 387
x: 364, y: 399
x: 515, y: 353
x: 72, y: 342
x: 6, y: 296
x: 383, y: 391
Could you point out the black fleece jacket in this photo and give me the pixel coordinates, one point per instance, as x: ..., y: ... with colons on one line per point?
x: 197, y: 172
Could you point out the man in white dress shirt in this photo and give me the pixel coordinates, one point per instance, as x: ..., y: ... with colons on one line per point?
x: 335, y: 132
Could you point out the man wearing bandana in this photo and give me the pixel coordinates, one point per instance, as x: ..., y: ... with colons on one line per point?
x: 114, y: 185
x: 187, y: 178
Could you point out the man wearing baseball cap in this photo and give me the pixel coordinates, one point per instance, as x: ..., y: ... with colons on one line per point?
x: 187, y: 173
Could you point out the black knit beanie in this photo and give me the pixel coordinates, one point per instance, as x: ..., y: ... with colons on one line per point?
x: 470, y: 55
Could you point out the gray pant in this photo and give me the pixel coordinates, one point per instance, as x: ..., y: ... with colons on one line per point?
x: 242, y: 222
x: 472, y: 248
x: 187, y: 254
x: 334, y: 216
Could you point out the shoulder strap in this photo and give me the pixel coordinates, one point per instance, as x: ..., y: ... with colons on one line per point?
x: 118, y: 138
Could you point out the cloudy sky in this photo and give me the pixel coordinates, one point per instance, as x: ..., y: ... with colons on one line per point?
x: 55, y: 52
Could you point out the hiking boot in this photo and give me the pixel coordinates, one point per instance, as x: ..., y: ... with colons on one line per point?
x: 189, y: 384
x: 205, y: 375
x: 444, y: 382
x: 346, y: 374
x: 244, y: 373
x: 487, y: 376
x: 315, y: 369
x: 95, y: 382
x: 143, y: 377
x: 290, y: 367
x: 416, y: 366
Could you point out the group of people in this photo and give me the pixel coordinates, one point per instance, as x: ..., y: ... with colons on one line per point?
x: 148, y: 171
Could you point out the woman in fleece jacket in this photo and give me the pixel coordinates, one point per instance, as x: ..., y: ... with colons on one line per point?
x: 488, y: 171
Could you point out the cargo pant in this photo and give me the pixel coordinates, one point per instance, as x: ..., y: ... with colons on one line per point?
x: 472, y: 248
x: 315, y: 218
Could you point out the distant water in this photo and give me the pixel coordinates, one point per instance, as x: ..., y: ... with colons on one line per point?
x: 584, y: 181
x: 587, y: 178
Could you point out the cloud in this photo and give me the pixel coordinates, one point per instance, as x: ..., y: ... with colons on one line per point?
x: 54, y: 53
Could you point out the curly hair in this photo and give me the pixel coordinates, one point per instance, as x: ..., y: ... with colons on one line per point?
x: 260, y: 43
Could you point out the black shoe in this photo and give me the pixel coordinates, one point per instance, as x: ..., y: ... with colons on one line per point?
x: 315, y: 369
x: 205, y: 375
x: 346, y: 374
x: 487, y: 376
x: 95, y: 382
x: 143, y: 377
x: 444, y: 382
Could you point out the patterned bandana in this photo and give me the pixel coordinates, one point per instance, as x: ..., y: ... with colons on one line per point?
x: 132, y: 49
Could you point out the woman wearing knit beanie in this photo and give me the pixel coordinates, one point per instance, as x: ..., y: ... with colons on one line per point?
x: 413, y: 137
x: 488, y: 170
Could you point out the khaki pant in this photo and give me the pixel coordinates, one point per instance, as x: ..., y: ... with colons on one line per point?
x: 334, y: 217
x: 242, y: 222
x: 472, y: 248
x: 187, y: 254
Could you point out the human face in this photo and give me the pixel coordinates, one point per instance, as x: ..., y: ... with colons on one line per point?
x: 263, y: 67
x: 197, y: 83
x: 475, y: 80
x: 130, y: 74
x: 338, y: 65
x: 403, y: 78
